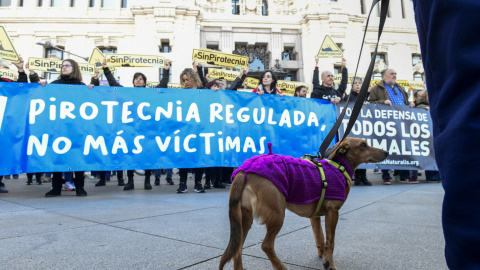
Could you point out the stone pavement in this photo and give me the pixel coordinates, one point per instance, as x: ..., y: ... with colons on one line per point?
x: 380, y: 227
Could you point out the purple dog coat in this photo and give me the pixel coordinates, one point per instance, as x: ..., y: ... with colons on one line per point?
x: 298, y: 180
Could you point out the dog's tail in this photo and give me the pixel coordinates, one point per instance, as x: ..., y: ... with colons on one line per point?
x: 235, y: 215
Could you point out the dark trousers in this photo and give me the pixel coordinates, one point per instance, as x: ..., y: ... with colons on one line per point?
x: 38, y: 177
x: 78, y: 180
x: 184, y: 175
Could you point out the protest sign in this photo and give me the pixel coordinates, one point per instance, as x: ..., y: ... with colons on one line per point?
x: 134, y: 60
x: 217, y: 58
x: 7, y: 50
x: 61, y: 128
x: 406, y: 133
x: 329, y: 49
x: 288, y: 87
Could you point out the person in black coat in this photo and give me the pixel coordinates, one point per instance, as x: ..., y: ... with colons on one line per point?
x: 70, y: 74
x: 327, y: 89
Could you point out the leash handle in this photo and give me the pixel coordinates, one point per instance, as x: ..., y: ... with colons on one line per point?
x: 363, y: 90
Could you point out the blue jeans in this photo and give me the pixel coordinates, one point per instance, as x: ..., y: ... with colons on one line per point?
x: 158, y: 173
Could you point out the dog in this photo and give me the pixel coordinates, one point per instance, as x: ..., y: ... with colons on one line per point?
x: 253, y: 196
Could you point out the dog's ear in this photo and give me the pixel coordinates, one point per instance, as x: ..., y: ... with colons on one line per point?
x: 342, y: 149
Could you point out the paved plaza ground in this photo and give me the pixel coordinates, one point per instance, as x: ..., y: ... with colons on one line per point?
x: 380, y: 227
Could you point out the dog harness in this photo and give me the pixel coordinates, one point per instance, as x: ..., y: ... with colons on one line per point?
x: 300, y: 180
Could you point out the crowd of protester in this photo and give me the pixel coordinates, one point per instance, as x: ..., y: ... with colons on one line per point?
x: 385, y: 92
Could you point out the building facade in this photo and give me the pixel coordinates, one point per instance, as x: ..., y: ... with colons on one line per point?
x: 283, y: 35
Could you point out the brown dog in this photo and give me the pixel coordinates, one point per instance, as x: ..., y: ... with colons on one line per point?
x: 260, y: 198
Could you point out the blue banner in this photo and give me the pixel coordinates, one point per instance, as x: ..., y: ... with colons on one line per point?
x: 70, y: 128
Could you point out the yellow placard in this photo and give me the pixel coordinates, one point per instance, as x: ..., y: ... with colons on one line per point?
x: 86, y: 68
x: 252, y: 82
x: 288, y: 87
x: 337, y: 78
x: 7, y: 51
x: 8, y: 73
x: 134, y: 60
x: 403, y: 83
x: 169, y: 85
x: 418, y: 85
x: 221, y: 74
x: 220, y: 59
x: 55, y: 65
x: 329, y: 49
x: 45, y: 64
x: 97, y: 58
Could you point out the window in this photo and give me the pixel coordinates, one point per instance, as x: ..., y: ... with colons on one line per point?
x: 5, y: 3
x: 381, y: 56
x: 39, y: 3
x: 91, y: 3
x: 108, y: 3
x: 288, y: 54
x: 362, y: 7
x: 124, y: 3
x: 212, y: 47
x: 165, y: 47
x: 55, y: 54
x: 56, y: 3
x: 418, y: 77
x: 72, y: 3
x: 264, y: 8
x: 415, y: 59
x: 20, y: 3
x: 235, y: 7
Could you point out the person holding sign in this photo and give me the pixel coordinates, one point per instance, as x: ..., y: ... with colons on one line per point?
x: 70, y: 74
x: 240, y: 79
x: 326, y: 90
x: 139, y: 80
x: 268, y: 84
x: 389, y: 92
x: 22, y: 77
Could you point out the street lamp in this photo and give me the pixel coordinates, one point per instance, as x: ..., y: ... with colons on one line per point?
x: 49, y: 45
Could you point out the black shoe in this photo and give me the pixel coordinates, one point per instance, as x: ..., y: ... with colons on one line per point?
x: 218, y: 185
x: 148, y: 186
x: 207, y: 186
x: 54, y: 192
x: 157, y: 181
x: 15, y: 177
x: 169, y: 181
x: 29, y: 183
x: 182, y: 188
x: 129, y: 186
x: 358, y: 182
x: 366, y: 182
x: 121, y: 182
x: 199, y: 189
x: 39, y: 182
x: 7, y: 177
x: 80, y: 191
x: 100, y: 183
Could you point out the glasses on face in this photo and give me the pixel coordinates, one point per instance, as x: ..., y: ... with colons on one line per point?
x: 65, y: 66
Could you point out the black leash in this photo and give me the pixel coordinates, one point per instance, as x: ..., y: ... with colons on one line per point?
x: 363, y: 90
